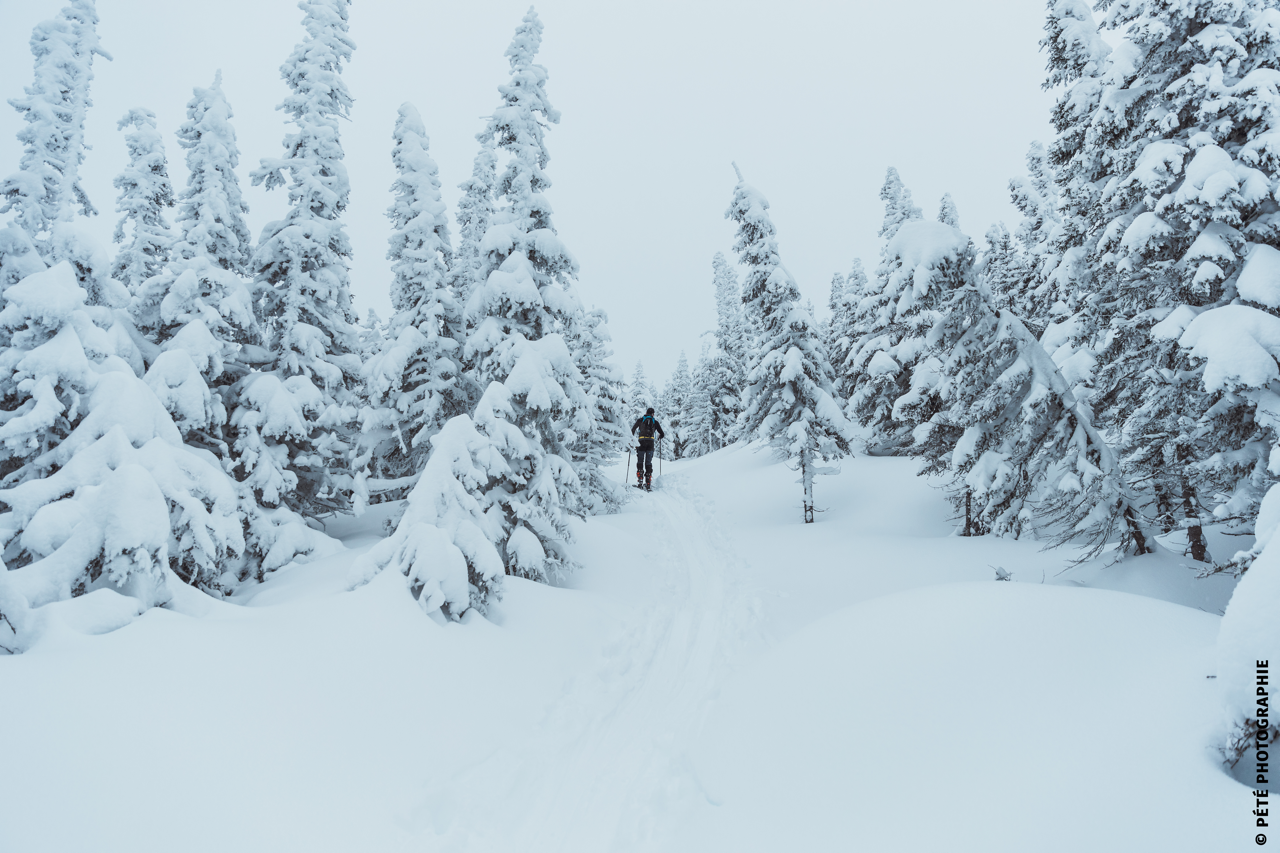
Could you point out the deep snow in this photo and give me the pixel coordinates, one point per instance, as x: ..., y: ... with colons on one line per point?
x: 718, y: 676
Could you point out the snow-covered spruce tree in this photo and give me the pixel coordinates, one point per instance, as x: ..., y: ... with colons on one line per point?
x: 930, y: 260
x: 1003, y: 268
x: 833, y: 301
x: 475, y: 210
x: 443, y: 544
x: 604, y: 437
x: 675, y: 406
x: 414, y: 383
x: 699, y: 416
x: 1179, y: 135
x: 302, y: 292
x: 921, y: 262
x: 1016, y: 435
x: 729, y: 366
x: 947, y: 212
x: 787, y: 401
x: 196, y: 314
x: 211, y: 208
x: 46, y: 190
x: 639, y: 391
x: 844, y: 335
x: 200, y: 343
x: 519, y: 315
x: 874, y: 377
x: 100, y: 489
x: 1235, y: 350
x: 1046, y: 288
x: 145, y: 192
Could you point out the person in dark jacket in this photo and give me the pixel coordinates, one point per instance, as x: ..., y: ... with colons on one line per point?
x: 648, y: 426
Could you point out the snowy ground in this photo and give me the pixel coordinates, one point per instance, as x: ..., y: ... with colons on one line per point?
x: 719, y: 676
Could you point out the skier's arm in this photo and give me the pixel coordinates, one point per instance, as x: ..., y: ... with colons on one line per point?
x: 661, y: 434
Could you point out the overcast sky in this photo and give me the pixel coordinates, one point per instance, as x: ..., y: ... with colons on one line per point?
x: 814, y: 100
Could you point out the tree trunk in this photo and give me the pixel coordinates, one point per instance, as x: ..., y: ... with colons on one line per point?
x: 806, y: 475
x: 1190, y: 508
x: 1135, y: 530
x: 1164, y: 509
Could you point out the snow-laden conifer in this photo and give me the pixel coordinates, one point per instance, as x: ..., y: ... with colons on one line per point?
x: 303, y: 295
x: 640, y: 394
x: 47, y: 189
x: 605, y: 436
x: 100, y: 489
x: 443, y: 544
x: 475, y: 209
x: 928, y: 261
x: 1166, y: 172
x: 415, y: 382
x: 700, y: 419
x: 843, y: 334
x: 788, y: 397
x: 145, y: 193
x: 1009, y: 424
x: 1040, y: 281
x: 731, y: 331
x: 675, y: 406
x: 211, y: 208
x: 834, y: 297
x: 948, y: 214
x: 729, y: 366
x: 1004, y: 269
x: 874, y: 377
x: 197, y: 312
x: 519, y: 315
x: 1235, y: 355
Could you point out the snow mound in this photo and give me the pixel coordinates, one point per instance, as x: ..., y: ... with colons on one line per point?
x: 962, y: 717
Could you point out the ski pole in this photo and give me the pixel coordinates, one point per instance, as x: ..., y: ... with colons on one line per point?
x: 626, y: 472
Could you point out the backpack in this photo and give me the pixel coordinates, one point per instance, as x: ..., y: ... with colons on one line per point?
x: 647, y: 423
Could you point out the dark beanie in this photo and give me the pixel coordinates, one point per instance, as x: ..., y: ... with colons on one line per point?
x: 649, y: 411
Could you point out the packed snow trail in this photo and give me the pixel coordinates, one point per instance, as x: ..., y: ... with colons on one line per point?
x: 606, y: 766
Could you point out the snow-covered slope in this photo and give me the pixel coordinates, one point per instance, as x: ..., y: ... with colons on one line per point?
x: 719, y: 676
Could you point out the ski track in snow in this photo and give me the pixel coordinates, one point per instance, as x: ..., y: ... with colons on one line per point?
x: 606, y: 766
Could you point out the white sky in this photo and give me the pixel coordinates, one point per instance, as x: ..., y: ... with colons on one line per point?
x: 812, y: 99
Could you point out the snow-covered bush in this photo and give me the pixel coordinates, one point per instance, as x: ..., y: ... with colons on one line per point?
x: 443, y: 544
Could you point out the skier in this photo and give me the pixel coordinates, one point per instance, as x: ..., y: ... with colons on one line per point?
x: 647, y: 425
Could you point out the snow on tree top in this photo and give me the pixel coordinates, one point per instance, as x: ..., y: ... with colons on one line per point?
x: 1240, y: 344
x: 1260, y: 279
x: 919, y: 242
